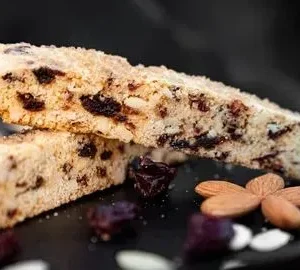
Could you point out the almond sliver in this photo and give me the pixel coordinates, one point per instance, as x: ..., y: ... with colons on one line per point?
x: 213, y: 187
x: 230, y: 205
x: 265, y: 185
x: 292, y: 194
x: 280, y: 212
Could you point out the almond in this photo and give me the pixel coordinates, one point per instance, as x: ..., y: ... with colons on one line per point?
x: 211, y: 188
x: 280, y: 212
x: 265, y: 184
x: 230, y: 205
x: 291, y: 194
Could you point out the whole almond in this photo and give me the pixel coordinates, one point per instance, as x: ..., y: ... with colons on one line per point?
x: 280, y: 212
x: 292, y: 194
x: 230, y: 205
x: 265, y: 184
x: 211, y: 188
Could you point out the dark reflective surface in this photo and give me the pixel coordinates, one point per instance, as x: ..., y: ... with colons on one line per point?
x: 63, y: 238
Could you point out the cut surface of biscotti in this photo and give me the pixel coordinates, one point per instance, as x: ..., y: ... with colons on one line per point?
x: 88, y: 91
x: 41, y: 170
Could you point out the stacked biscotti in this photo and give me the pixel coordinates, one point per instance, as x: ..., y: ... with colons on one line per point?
x: 89, y: 92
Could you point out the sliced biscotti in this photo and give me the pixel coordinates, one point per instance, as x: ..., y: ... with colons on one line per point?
x: 41, y: 170
x: 88, y: 91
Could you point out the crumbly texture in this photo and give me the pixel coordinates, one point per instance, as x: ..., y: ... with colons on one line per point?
x: 41, y: 170
x: 88, y: 91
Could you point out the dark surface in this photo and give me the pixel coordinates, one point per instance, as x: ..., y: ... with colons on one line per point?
x: 63, y: 238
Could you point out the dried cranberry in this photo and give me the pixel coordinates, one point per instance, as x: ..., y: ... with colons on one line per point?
x: 151, y: 178
x: 110, y: 220
x: 207, y: 234
x: 9, y: 245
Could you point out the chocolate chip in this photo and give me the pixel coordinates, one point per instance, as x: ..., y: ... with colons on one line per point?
x: 180, y: 144
x: 200, y: 101
x: 30, y: 103
x: 13, y: 163
x: 221, y: 156
x: 21, y: 49
x: 39, y: 182
x: 87, y: 150
x: 46, y: 75
x: 162, y: 139
x: 100, y: 105
x: 133, y: 86
x: 11, y: 213
x: 109, y: 81
x: 278, y: 133
x: 130, y: 125
x: 162, y: 111
x: 101, y: 171
x: 9, y: 77
x: 120, y: 118
x: 235, y: 133
x: 21, y: 184
x: 237, y: 107
x: 208, y: 142
x: 270, y: 162
x: 83, y: 181
x: 67, y: 167
x: 106, y: 155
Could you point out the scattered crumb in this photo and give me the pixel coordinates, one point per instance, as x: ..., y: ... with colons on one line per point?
x: 140, y: 260
x: 232, y: 264
x: 28, y: 265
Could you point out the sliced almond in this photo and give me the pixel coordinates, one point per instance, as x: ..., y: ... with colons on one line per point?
x: 292, y: 194
x: 212, y: 188
x: 280, y: 212
x: 265, y: 184
x: 230, y: 205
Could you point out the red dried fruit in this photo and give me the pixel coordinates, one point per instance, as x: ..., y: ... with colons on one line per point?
x: 46, y: 75
x: 151, y: 178
x: 31, y: 103
x: 100, y: 105
x: 9, y: 245
x: 207, y: 234
x: 110, y: 220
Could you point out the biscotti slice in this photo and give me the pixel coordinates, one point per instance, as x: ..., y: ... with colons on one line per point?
x: 88, y: 91
x: 41, y: 170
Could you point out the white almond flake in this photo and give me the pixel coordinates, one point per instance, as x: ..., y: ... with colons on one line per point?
x: 28, y: 265
x: 140, y: 260
x: 270, y: 240
x: 232, y: 264
x: 242, y: 237
x: 273, y: 127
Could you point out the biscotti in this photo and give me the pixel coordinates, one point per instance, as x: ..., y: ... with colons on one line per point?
x: 41, y: 170
x: 88, y: 91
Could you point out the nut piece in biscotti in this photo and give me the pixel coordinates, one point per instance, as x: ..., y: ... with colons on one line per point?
x: 87, y: 91
x: 41, y: 170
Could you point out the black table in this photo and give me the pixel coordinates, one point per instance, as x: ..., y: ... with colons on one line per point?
x: 63, y: 238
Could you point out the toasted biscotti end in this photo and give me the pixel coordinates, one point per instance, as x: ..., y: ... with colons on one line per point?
x: 41, y: 170
x: 87, y: 91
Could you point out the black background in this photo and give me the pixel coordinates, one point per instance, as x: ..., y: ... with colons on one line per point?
x: 253, y: 45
